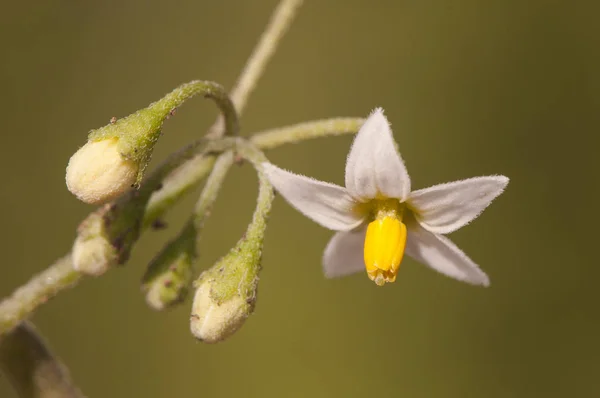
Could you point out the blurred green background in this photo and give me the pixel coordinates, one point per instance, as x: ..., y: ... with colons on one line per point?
x: 471, y: 88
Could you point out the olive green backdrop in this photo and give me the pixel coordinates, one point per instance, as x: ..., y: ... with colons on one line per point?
x: 471, y: 88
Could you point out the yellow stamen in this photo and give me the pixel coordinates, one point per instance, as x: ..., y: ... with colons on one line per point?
x: 384, y: 243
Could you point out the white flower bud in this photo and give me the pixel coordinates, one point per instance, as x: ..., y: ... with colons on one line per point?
x: 212, y: 321
x: 226, y: 293
x: 92, y: 256
x: 92, y: 252
x: 97, y: 172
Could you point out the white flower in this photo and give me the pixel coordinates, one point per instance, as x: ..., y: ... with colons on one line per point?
x: 378, y: 217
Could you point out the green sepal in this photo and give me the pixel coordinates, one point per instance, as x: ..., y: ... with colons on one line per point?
x: 138, y: 133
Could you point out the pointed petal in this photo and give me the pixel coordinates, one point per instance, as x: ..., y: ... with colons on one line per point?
x: 344, y: 254
x: 374, y: 166
x: 326, y: 204
x: 439, y: 253
x: 447, y: 207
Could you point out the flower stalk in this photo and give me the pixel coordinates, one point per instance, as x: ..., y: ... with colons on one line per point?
x: 37, y: 291
x: 280, y: 21
x: 226, y: 293
x: 31, y: 367
x: 296, y: 133
x: 169, y: 275
x: 117, y: 155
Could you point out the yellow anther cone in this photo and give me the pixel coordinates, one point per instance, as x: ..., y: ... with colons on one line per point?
x: 384, y: 248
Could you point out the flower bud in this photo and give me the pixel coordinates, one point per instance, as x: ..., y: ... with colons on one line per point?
x: 226, y: 293
x: 93, y: 253
x: 169, y: 275
x: 116, y: 155
x: 213, y: 321
x: 97, y: 172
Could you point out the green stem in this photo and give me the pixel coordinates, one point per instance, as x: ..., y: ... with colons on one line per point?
x: 36, y: 292
x: 174, y: 182
x: 274, y: 138
x: 31, y: 368
x: 211, y: 189
x: 210, y: 90
x: 138, y: 133
x: 183, y: 179
x: 280, y: 21
x: 266, y: 194
x: 178, y: 183
x: 169, y: 275
x: 236, y: 273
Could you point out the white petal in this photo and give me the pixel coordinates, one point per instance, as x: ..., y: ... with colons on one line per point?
x: 344, y: 254
x: 327, y: 204
x: 447, y: 207
x: 439, y: 253
x: 374, y: 166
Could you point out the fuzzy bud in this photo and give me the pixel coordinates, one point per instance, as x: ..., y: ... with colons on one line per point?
x: 226, y: 293
x: 93, y: 253
x: 213, y: 321
x: 117, y: 155
x: 169, y: 275
x: 98, y: 173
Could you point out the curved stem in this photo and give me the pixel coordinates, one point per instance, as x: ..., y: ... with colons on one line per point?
x: 178, y: 183
x: 169, y: 274
x: 31, y: 368
x: 210, y: 90
x: 184, y: 178
x: 234, y: 278
x: 36, y: 292
x: 266, y: 193
x: 280, y: 21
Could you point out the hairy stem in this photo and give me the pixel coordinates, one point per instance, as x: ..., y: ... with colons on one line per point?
x: 304, y: 131
x: 176, y: 185
x: 211, y: 189
x: 217, y: 93
x: 280, y: 21
x: 169, y: 275
x: 36, y: 292
x: 184, y: 178
x: 266, y: 194
x: 31, y: 368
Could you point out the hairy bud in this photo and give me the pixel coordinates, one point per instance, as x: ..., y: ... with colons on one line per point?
x: 97, y: 172
x: 93, y: 253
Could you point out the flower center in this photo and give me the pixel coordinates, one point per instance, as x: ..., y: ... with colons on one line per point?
x: 385, y: 241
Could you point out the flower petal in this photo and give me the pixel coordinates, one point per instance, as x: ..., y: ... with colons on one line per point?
x: 439, y: 253
x: 327, y: 204
x: 374, y: 166
x: 344, y: 254
x: 447, y: 207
